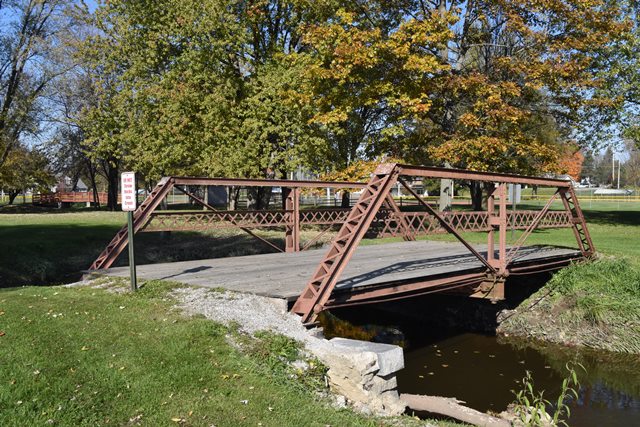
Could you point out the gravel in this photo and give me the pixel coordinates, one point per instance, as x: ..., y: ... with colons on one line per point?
x: 251, y: 312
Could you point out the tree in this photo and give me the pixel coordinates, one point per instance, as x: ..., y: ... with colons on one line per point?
x: 198, y: 87
x: 30, y: 40
x: 572, y: 161
x: 25, y: 169
x: 486, y: 85
x: 631, y: 168
x: 604, y: 167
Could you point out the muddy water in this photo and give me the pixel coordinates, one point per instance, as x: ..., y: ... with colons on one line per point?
x: 482, y: 370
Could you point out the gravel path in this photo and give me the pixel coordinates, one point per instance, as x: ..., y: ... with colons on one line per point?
x: 253, y: 313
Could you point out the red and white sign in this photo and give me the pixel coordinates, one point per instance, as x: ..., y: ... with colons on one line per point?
x: 128, y: 187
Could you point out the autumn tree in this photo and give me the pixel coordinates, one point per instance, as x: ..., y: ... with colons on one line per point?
x: 486, y: 85
x: 571, y: 161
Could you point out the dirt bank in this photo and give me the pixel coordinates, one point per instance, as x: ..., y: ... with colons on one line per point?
x: 595, y: 305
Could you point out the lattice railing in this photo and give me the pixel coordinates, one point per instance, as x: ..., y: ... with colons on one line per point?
x: 324, y: 216
x: 385, y: 223
x: 179, y: 221
x: 552, y: 219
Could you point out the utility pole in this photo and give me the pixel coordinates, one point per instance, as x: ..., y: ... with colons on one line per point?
x: 618, y: 174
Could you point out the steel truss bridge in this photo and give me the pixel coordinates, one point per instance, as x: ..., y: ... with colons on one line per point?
x: 376, y: 214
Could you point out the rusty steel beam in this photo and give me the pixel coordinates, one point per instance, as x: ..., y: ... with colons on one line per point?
x: 448, y: 227
x: 467, y: 175
x: 313, y: 298
x: 395, y: 291
x: 581, y: 232
x: 242, y: 182
x: 292, y: 229
x: 211, y: 208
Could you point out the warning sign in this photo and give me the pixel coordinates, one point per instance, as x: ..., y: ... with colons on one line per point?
x: 128, y: 186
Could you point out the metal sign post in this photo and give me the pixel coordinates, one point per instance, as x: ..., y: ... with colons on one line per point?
x: 129, y: 202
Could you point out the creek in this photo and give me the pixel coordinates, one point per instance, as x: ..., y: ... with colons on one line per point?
x: 451, y: 350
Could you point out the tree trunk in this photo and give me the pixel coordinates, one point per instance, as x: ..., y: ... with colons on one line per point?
x: 112, y: 188
x: 93, y: 183
x: 12, y: 195
x: 346, y: 199
x: 234, y: 195
x: 476, y: 195
x: 258, y: 198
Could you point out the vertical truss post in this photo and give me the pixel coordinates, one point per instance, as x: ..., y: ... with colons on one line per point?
x: 492, y: 222
x: 318, y: 290
x: 579, y: 225
x: 502, y: 229
x: 292, y: 230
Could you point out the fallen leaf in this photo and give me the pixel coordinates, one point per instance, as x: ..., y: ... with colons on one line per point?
x: 2, y: 333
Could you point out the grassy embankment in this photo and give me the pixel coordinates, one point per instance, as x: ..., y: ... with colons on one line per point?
x: 87, y: 356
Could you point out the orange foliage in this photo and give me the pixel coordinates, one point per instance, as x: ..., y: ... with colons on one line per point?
x: 571, y: 161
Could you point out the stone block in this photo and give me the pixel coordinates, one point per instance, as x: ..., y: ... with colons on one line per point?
x: 390, y: 357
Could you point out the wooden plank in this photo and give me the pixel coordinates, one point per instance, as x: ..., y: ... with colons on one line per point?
x: 283, y: 275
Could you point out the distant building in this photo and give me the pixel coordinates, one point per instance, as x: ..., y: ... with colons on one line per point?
x: 65, y: 184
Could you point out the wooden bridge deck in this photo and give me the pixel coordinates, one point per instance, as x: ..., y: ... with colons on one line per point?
x: 284, y: 275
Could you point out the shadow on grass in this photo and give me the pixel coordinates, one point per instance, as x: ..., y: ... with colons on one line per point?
x: 622, y: 217
x: 38, y: 254
x: 47, y: 210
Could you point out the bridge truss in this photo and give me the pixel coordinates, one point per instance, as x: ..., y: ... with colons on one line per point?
x: 375, y: 214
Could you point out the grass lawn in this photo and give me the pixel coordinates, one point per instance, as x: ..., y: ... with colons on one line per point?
x: 85, y: 356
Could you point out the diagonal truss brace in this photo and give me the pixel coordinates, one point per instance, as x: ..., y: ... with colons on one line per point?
x: 448, y: 227
x: 534, y: 224
x: 318, y: 290
x: 140, y: 218
x: 208, y: 206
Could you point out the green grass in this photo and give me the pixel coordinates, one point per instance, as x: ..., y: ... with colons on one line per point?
x: 52, y: 246
x: 46, y: 246
x: 84, y: 356
x: 594, y: 304
x: 606, y: 291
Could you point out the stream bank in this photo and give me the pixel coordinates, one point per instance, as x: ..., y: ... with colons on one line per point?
x: 594, y: 305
